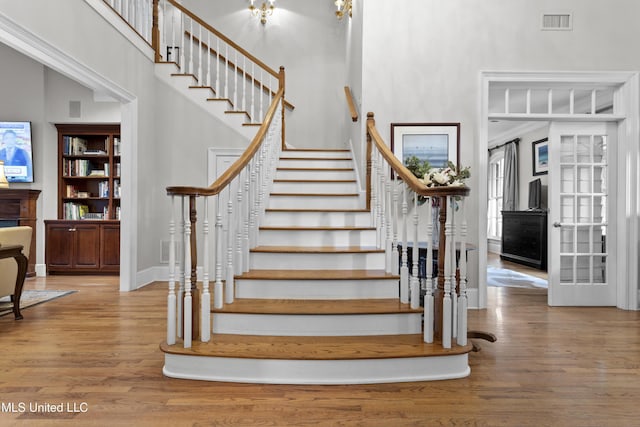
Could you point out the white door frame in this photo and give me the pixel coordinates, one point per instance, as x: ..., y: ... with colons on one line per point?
x: 627, y: 115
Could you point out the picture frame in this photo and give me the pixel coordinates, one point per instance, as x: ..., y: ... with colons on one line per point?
x: 540, y: 156
x: 436, y: 142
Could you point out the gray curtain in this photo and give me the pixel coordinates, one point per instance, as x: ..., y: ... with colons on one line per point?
x: 510, y: 183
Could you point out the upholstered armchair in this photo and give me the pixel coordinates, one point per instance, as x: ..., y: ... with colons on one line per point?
x: 14, y: 253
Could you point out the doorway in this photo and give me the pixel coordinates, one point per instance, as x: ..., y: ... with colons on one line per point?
x: 518, y: 98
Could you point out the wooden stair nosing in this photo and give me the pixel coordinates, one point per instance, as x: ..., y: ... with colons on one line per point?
x: 314, y: 194
x: 204, y: 87
x: 317, y: 228
x: 316, y: 249
x: 321, y: 150
x: 316, y: 307
x: 316, y: 347
x: 317, y: 275
x: 184, y: 75
x: 221, y: 99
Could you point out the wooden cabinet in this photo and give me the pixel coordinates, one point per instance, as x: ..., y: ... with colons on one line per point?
x: 524, y: 238
x: 82, y: 246
x: 86, y: 236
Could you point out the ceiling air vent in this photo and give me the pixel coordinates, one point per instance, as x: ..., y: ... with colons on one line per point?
x: 557, y: 21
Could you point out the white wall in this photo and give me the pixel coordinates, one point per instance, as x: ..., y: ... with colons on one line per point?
x: 422, y: 61
x: 305, y: 38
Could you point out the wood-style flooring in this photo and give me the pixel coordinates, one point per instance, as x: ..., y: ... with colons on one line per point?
x: 98, y: 350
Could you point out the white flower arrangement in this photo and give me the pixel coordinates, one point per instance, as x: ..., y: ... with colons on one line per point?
x: 445, y: 177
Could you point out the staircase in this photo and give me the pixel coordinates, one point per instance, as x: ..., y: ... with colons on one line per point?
x: 316, y: 305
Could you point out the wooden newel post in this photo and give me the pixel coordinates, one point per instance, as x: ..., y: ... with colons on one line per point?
x: 370, y: 121
x: 195, y: 296
x: 438, y: 294
x: 281, y: 86
x: 155, y: 30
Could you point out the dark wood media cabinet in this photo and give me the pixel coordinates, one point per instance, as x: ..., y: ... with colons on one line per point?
x: 524, y: 238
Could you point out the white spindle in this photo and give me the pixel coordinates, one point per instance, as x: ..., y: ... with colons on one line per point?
x: 217, y: 68
x: 261, y: 94
x: 190, y: 69
x: 462, y: 299
x: 217, y: 287
x: 253, y: 203
x: 404, y: 268
x: 208, y: 50
x: 380, y: 201
x: 228, y: 286
x: 239, y: 218
x: 171, y: 298
x: 244, y: 83
x: 395, y: 266
x: 429, y: 305
x: 205, y: 301
x: 226, y: 72
x: 187, y: 285
x: 246, y: 213
x: 374, y: 197
x: 235, y: 83
x: 388, y: 208
x: 446, y: 302
x: 415, y: 281
x: 181, y: 269
x: 253, y: 93
x: 454, y: 281
x: 181, y: 44
x: 200, y: 48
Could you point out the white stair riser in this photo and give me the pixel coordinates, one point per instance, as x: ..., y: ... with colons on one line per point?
x: 283, y: 371
x: 315, y: 163
x: 316, y: 325
x: 320, y: 219
x: 316, y: 154
x: 317, y: 289
x: 315, y: 187
x: 319, y: 174
x: 314, y: 202
x: 317, y: 237
x: 316, y: 261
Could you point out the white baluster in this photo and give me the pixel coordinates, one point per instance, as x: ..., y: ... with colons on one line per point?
x: 181, y: 45
x: 205, y: 301
x: 253, y: 231
x: 415, y: 281
x: 454, y: 280
x: 387, y: 214
x: 217, y: 68
x: 244, y: 84
x: 190, y: 68
x: 253, y: 93
x: 446, y: 302
x: 208, y: 50
x: 171, y: 298
x: 404, y: 268
x: 429, y: 305
x: 462, y: 299
x: 217, y: 287
x: 395, y: 266
x: 181, y: 270
x: 228, y: 286
x: 246, y: 213
x: 226, y: 72
x: 380, y: 201
x: 261, y: 93
x: 188, y: 310
x: 238, y: 261
x: 374, y: 201
x: 235, y: 83
x: 200, y: 79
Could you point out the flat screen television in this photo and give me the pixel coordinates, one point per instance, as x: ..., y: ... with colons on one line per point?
x: 535, y: 194
x: 16, y: 151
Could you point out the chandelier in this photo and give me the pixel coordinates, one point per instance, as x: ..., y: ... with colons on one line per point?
x: 343, y: 7
x: 263, y: 11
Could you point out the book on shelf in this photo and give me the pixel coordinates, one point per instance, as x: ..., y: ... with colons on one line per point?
x: 116, y: 145
x: 74, y: 145
x: 95, y: 153
x: 75, y: 211
x: 103, y: 189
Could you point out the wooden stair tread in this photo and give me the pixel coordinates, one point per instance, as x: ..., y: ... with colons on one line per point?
x: 338, y: 150
x: 316, y: 210
x: 316, y: 307
x: 317, y: 275
x: 315, y: 180
x: 318, y: 228
x: 316, y: 169
x: 314, y: 194
x: 317, y: 249
x: 315, y: 348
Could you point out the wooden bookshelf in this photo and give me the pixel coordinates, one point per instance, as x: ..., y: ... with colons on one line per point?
x: 88, y: 200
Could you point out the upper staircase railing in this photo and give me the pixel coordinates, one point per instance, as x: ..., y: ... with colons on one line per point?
x: 389, y: 199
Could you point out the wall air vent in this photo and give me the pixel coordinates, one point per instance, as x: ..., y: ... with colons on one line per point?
x: 557, y: 21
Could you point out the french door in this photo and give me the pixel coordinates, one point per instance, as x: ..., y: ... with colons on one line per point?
x: 582, y: 199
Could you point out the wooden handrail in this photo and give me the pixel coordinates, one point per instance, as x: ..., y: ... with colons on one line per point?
x: 226, y: 39
x: 351, y: 104
x: 237, y: 166
x: 239, y: 69
x: 405, y: 174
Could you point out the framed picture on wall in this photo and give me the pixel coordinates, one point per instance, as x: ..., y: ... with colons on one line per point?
x: 540, y: 156
x: 437, y: 143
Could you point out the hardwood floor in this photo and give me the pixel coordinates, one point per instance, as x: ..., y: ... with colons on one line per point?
x: 99, y: 347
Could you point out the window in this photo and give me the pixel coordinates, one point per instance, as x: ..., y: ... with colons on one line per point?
x: 496, y: 177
